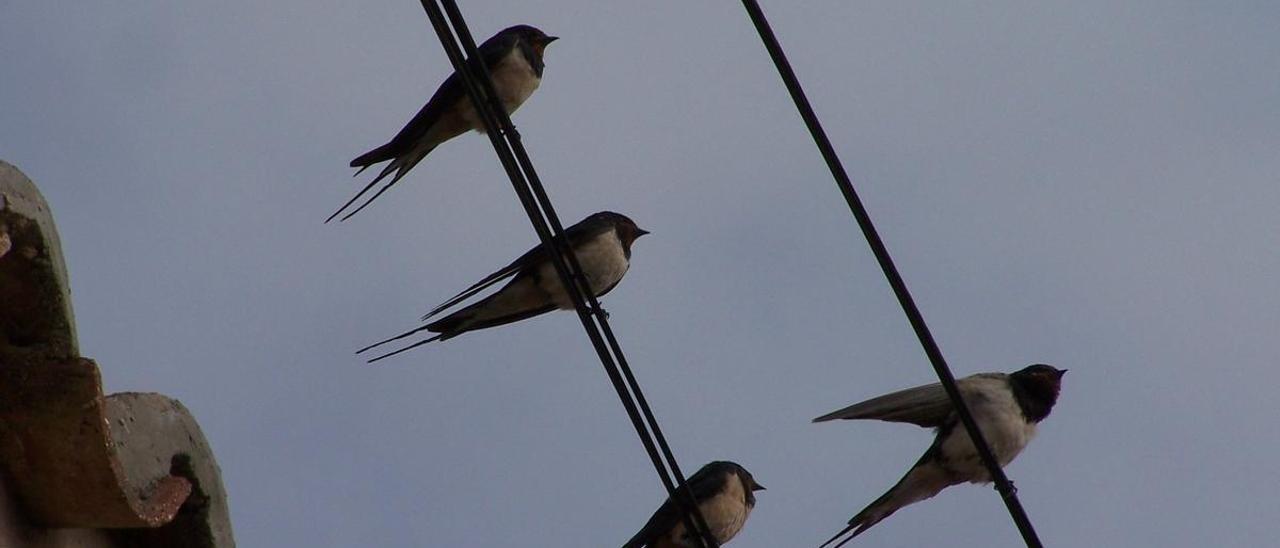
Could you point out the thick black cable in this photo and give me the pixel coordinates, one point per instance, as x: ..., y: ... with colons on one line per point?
x: 546, y: 223
x: 1005, y: 487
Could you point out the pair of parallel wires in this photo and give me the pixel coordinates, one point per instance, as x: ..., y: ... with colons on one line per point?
x: 456, y: 39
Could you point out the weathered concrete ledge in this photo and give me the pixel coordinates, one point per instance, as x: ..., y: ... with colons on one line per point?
x: 35, y: 314
x: 82, y: 469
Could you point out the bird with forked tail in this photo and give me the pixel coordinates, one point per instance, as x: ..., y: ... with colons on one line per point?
x: 514, y: 59
x: 602, y: 245
x: 1007, y: 408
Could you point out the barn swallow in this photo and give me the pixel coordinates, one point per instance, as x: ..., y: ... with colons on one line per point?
x: 602, y: 244
x: 725, y: 495
x: 514, y: 60
x: 1007, y: 407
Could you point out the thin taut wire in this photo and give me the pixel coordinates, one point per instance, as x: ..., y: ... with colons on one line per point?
x: 1007, y: 491
x: 536, y: 203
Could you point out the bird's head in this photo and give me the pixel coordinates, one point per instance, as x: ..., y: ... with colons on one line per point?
x: 626, y: 229
x: 533, y: 36
x: 749, y: 483
x: 1037, y: 388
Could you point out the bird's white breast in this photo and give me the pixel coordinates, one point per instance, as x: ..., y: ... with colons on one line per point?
x: 1002, y: 423
x: 514, y: 81
x: 725, y: 513
x: 602, y: 260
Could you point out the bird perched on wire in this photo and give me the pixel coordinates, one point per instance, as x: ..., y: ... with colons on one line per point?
x: 514, y: 59
x: 602, y: 244
x: 725, y: 495
x: 1007, y: 407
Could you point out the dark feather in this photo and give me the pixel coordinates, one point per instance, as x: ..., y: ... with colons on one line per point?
x: 926, y: 405
x: 405, y: 349
x: 449, y: 93
x: 453, y: 324
x: 531, y: 257
x: 876, y: 511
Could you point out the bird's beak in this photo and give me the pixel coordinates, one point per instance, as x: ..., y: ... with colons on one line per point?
x: 641, y: 232
x: 759, y: 487
x: 549, y: 40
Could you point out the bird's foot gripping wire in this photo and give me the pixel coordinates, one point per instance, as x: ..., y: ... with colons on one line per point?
x: 1012, y: 491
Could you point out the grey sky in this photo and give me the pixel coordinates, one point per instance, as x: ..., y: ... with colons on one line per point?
x: 1087, y: 184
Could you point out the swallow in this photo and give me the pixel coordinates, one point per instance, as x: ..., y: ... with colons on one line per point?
x: 725, y: 493
x: 514, y: 59
x: 1007, y: 407
x: 602, y: 244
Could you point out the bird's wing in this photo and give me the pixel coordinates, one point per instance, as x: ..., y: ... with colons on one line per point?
x: 485, y: 314
x: 577, y: 233
x: 704, y: 484
x: 926, y: 406
x: 448, y: 94
x: 538, y: 253
x: 443, y: 99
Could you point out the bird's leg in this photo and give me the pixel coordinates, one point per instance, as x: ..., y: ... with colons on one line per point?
x: 603, y: 313
x: 1013, y: 489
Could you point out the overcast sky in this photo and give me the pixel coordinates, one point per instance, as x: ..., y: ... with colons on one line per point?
x: 1087, y: 184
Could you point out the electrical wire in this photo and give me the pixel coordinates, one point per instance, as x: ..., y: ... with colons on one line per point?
x: 1003, y: 485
